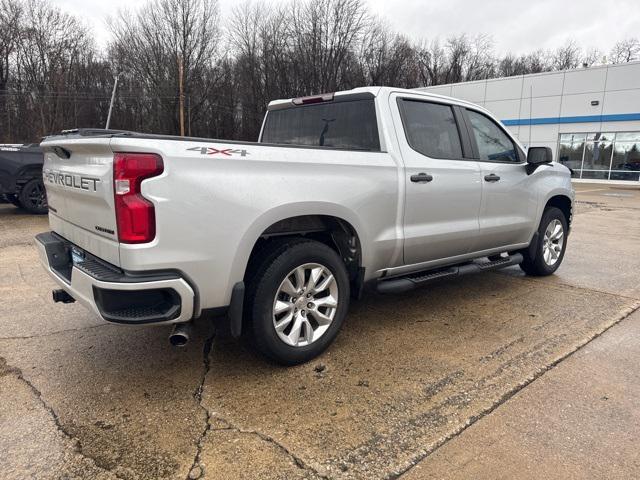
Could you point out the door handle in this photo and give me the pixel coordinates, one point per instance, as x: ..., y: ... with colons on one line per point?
x: 491, y: 178
x: 421, y: 178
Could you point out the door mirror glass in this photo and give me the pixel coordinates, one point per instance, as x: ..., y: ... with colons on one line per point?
x: 539, y: 155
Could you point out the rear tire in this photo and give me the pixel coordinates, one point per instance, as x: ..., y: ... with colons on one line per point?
x: 297, y: 299
x: 551, y: 243
x: 33, y: 197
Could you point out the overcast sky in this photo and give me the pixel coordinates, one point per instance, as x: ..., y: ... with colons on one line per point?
x: 517, y: 26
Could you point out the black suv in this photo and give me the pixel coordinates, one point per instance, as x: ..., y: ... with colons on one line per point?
x: 21, y: 177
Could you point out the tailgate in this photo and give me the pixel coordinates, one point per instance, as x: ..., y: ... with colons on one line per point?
x: 78, y: 175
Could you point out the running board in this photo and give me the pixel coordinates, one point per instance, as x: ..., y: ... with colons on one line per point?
x: 415, y: 279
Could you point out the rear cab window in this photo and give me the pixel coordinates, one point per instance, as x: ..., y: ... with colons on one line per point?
x: 431, y: 128
x: 346, y: 124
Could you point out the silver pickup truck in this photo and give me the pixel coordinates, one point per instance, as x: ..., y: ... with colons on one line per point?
x: 374, y: 186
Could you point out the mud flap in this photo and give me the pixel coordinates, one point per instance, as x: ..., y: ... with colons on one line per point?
x: 533, y: 246
x: 235, y: 309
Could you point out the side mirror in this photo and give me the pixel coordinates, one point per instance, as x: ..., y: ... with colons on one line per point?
x: 537, y: 156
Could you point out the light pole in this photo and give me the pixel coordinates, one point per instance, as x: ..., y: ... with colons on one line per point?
x: 181, y: 89
x: 113, y: 97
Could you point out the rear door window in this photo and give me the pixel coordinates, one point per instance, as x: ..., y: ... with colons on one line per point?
x: 431, y: 129
x: 346, y: 124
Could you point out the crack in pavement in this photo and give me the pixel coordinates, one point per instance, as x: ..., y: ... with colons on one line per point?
x: 206, y: 362
x: 77, y: 445
x: 197, y: 471
x: 508, y: 395
x: 297, y: 461
x: 50, y: 334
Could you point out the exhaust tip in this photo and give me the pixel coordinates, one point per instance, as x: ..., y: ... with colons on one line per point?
x: 180, y: 335
x: 178, y: 340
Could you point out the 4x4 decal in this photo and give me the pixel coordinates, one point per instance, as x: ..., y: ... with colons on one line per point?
x: 219, y: 151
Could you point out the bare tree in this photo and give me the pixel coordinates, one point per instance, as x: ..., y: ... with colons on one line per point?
x: 432, y: 63
x: 10, y: 17
x: 567, y: 56
x: 147, y: 46
x: 592, y: 57
x: 480, y: 62
x: 323, y: 33
x: 258, y: 34
x: 386, y: 58
x: 626, y: 50
x: 537, y: 61
x: 469, y: 59
x: 51, y: 45
x: 534, y: 62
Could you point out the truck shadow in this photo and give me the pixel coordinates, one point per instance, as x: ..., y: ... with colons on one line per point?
x: 380, y: 323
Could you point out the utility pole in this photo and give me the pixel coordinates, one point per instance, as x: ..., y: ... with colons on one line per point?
x: 181, y: 87
x: 113, y: 97
x: 189, y: 115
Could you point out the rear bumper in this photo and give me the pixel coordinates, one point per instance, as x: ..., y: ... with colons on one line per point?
x: 111, y: 293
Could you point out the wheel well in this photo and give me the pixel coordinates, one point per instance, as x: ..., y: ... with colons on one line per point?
x: 563, y: 203
x: 334, y: 232
x: 27, y: 174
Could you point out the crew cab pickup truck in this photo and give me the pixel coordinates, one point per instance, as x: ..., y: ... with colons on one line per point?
x: 21, y: 177
x: 379, y: 186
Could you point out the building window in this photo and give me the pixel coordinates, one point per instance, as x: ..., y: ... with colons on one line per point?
x: 571, y: 151
x: 626, y: 161
x: 597, y: 156
x: 601, y: 155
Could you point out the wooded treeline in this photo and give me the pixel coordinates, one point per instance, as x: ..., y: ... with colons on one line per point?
x: 53, y: 76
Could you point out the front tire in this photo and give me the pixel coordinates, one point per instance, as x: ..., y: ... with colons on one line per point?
x: 33, y: 197
x: 546, y: 255
x: 297, y: 300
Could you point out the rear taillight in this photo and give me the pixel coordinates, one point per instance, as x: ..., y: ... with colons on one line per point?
x: 135, y: 214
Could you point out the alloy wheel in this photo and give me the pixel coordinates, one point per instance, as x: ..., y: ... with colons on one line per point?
x: 37, y: 196
x: 553, y: 242
x: 305, y: 304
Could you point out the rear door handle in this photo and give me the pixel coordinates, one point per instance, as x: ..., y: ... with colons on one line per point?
x: 491, y: 178
x: 421, y: 178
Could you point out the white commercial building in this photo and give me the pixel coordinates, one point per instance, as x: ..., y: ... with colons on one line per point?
x: 590, y: 117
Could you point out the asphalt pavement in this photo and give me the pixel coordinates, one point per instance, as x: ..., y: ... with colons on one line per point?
x: 496, y: 375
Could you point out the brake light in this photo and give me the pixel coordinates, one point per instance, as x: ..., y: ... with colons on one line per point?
x: 135, y: 215
x: 326, y: 97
